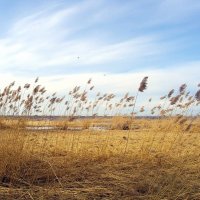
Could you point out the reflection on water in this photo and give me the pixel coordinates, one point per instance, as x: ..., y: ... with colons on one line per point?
x: 35, y: 128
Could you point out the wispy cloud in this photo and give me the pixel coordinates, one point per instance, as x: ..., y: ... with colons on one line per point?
x: 160, y: 81
x: 55, y: 37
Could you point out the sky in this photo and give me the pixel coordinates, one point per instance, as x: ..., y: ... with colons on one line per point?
x: 116, y: 43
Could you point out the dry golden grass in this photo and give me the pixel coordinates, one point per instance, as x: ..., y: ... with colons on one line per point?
x: 121, y: 123
x: 143, y: 163
x: 118, y: 157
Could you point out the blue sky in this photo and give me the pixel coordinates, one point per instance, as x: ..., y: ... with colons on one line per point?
x: 55, y: 39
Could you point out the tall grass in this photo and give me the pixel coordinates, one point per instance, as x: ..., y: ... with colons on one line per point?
x: 94, y: 148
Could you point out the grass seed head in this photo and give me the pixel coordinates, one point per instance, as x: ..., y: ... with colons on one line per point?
x: 143, y: 84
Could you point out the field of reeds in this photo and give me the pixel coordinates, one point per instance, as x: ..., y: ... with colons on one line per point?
x: 88, y: 145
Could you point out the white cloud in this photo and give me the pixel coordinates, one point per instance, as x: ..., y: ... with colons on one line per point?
x: 160, y: 80
x: 45, y: 39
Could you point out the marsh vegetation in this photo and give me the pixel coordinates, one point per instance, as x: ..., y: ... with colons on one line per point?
x: 98, y: 148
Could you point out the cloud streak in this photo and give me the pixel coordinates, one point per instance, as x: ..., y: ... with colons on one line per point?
x: 51, y: 38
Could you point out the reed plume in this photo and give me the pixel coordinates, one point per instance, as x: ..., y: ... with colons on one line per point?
x: 143, y: 84
x: 170, y: 93
x: 197, y: 95
x: 182, y: 88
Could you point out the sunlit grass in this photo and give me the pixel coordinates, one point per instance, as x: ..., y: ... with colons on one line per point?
x: 119, y: 156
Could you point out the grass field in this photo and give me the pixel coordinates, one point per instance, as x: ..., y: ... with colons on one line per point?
x: 143, y: 163
x: 115, y: 157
